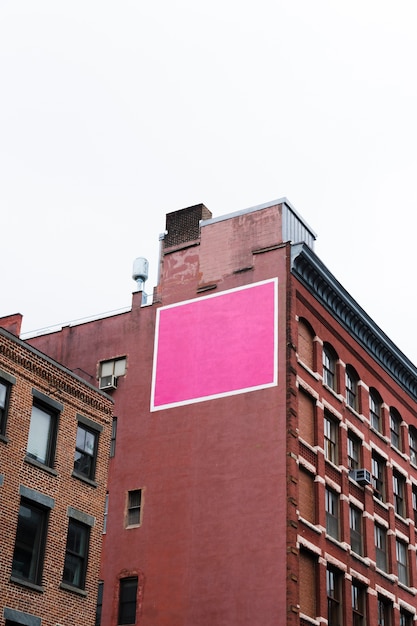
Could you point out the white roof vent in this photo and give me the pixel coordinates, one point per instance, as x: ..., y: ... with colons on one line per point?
x: 140, y: 275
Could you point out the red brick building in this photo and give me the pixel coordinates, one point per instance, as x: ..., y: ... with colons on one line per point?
x: 264, y: 455
x: 54, y: 441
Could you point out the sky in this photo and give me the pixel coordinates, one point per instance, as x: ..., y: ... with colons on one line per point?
x: 113, y: 114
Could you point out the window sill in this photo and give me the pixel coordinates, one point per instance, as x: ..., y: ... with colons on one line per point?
x: 390, y: 577
x: 343, y: 546
x: 380, y: 435
x: 310, y: 525
x: 334, y: 393
x: 307, y: 369
x: 72, y: 589
x: 360, y: 558
x: 385, y: 505
x: 41, y: 466
x: 309, y: 619
x: 411, y: 590
x: 27, y: 584
x: 133, y: 526
x: 84, y: 479
x: 4, y: 439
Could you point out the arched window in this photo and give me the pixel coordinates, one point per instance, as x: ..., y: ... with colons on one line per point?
x: 329, y: 366
x: 395, y: 428
x: 375, y: 413
x: 412, y: 441
x: 305, y: 346
x: 352, y: 387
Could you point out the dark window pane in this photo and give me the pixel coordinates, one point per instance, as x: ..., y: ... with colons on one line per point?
x: 127, y: 600
x: 29, y: 546
x: 85, y: 452
x: 76, y: 554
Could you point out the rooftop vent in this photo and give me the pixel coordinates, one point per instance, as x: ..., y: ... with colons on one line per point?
x: 140, y: 275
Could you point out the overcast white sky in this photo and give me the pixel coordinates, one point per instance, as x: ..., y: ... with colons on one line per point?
x: 113, y: 114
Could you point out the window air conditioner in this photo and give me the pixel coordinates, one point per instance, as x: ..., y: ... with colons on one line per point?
x: 107, y: 382
x: 361, y: 476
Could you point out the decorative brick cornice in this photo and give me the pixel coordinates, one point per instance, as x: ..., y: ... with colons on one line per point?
x: 314, y: 275
x: 29, y: 359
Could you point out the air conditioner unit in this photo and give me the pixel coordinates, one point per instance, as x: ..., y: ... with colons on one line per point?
x: 361, y: 476
x: 107, y: 382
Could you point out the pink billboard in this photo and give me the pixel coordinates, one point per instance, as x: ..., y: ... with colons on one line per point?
x: 216, y: 345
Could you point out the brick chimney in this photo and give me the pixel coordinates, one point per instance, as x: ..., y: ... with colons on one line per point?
x: 184, y: 225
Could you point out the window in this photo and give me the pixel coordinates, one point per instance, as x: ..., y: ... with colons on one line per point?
x: 134, y: 500
x: 99, y: 606
x: 306, y: 417
x: 329, y: 367
x: 109, y: 372
x: 375, y: 410
x: 330, y: 438
x: 351, y: 388
x: 412, y: 440
x: 307, y: 501
x: 358, y: 605
x: 378, y: 477
x: 76, y: 554
x: 354, y: 452
x: 30, y: 542
x: 381, y: 548
x: 113, y: 437
x: 395, y: 428
x: 307, y: 582
x: 42, y: 434
x: 4, y: 405
x: 402, y: 563
x: 384, y: 612
x: 85, y: 451
x: 333, y: 584
x: 355, y: 522
x: 414, y: 501
x: 406, y: 618
x: 305, y: 347
x: 332, y: 513
x: 398, y: 482
x: 106, y: 511
x: 127, y: 600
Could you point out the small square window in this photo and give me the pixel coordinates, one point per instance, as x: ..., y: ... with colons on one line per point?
x: 30, y: 542
x: 42, y: 434
x: 86, y: 451
x: 134, y: 507
x: 76, y: 554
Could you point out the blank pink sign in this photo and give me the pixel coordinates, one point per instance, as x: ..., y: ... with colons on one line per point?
x: 216, y: 345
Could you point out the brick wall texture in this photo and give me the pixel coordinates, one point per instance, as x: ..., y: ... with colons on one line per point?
x: 32, y: 371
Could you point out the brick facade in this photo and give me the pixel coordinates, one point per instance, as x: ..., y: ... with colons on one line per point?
x: 250, y: 513
x: 31, y: 376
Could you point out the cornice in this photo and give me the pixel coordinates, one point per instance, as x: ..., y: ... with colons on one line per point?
x: 317, y: 279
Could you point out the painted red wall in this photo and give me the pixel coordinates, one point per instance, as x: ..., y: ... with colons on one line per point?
x: 211, y: 549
